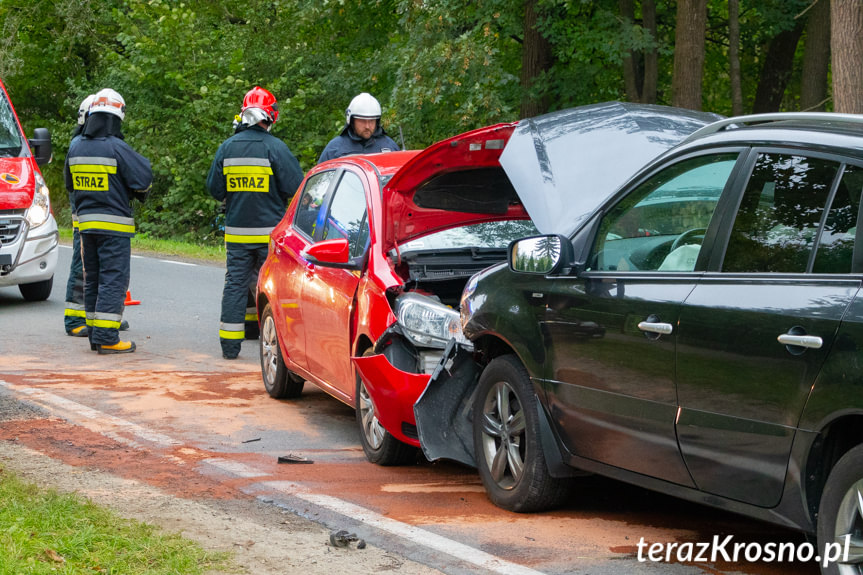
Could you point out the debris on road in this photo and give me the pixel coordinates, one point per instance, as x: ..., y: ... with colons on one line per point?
x: 342, y: 538
x: 251, y: 440
x: 291, y: 458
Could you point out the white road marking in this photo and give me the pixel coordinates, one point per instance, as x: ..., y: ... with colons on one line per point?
x: 98, y: 420
x: 63, y: 407
x: 431, y: 488
x: 148, y: 257
x: 234, y: 468
x: 414, y: 534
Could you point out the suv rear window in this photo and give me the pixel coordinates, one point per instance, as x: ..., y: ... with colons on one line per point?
x: 10, y: 136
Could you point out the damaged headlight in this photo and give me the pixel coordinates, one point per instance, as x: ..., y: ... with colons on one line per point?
x: 426, y: 322
x: 40, y: 209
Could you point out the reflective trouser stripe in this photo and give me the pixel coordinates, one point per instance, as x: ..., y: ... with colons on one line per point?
x: 110, y: 324
x: 101, y: 319
x: 232, y: 331
x: 74, y: 309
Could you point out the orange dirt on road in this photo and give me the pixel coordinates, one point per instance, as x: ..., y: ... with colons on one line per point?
x: 217, y: 436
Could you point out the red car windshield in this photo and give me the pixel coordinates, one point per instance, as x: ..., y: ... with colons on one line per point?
x: 11, y: 143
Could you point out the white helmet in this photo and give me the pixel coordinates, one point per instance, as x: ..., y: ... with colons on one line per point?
x: 363, y: 106
x: 109, y: 101
x: 84, y: 108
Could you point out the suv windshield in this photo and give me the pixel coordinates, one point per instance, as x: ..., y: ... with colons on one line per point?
x: 484, y: 235
x: 10, y: 136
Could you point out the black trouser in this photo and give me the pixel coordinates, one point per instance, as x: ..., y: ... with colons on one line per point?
x: 106, y: 278
x: 74, y: 313
x: 239, y: 318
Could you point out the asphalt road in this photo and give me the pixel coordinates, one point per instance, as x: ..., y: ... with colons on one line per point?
x: 178, y: 416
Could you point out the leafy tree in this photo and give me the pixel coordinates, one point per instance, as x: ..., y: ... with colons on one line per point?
x: 438, y: 69
x: 457, y: 67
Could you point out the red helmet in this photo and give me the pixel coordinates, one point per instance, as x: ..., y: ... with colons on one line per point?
x: 262, y: 99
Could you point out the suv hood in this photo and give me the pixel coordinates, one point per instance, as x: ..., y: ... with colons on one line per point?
x: 565, y: 164
x: 16, y: 183
x: 452, y: 183
x: 555, y: 169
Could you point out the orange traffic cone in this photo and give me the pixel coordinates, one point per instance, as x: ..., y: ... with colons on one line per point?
x: 129, y: 300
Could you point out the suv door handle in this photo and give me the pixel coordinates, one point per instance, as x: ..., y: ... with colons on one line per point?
x: 808, y: 341
x: 655, y: 327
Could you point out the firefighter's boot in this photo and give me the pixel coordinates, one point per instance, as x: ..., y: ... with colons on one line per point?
x: 80, y: 331
x: 119, y: 347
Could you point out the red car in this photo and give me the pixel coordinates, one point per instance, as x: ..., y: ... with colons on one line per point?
x: 370, y: 259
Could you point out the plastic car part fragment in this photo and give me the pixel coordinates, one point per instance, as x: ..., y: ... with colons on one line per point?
x: 443, y: 411
x: 291, y: 458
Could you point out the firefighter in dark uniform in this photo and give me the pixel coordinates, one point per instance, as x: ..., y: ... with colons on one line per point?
x: 73, y: 315
x: 362, y: 132
x: 256, y: 175
x: 104, y: 174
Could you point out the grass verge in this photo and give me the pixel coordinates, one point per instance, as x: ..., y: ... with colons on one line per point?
x: 43, y: 531
x: 166, y: 247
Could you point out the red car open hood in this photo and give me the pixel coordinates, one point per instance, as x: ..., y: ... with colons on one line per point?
x: 452, y: 183
x: 16, y: 183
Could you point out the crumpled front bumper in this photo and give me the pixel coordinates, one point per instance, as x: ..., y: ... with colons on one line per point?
x: 431, y: 412
x: 393, y: 393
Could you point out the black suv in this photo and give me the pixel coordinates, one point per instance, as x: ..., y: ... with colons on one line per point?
x: 699, y: 333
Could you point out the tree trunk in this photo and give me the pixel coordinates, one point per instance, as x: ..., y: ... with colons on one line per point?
x: 816, y: 58
x: 535, y: 59
x: 630, y: 60
x: 777, y: 69
x: 847, y: 46
x: 734, y: 57
x: 689, y: 54
x: 651, y: 57
x: 640, y: 69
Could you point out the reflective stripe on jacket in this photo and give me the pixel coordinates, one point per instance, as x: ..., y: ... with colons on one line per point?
x: 103, y: 174
x: 256, y: 175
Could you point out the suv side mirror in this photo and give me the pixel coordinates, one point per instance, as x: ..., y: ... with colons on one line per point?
x: 40, y: 144
x: 540, y: 254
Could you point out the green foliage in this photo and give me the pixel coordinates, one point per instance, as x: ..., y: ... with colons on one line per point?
x: 438, y: 68
x: 461, y: 70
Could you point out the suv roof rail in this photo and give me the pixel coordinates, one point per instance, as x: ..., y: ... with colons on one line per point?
x: 774, y: 117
